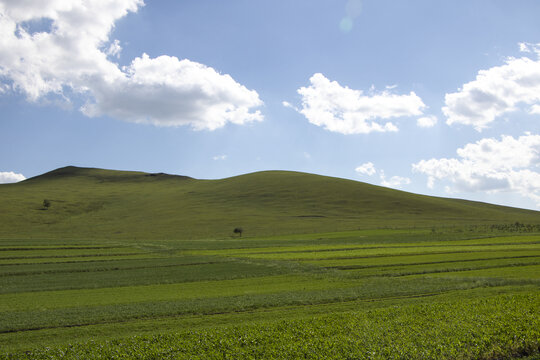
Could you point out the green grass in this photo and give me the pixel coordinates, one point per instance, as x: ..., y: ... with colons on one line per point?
x: 19, y: 340
x: 64, y: 253
x: 71, y: 259
x: 489, y: 328
x: 128, y: 265
x: 156, y: 271
x: 132, y: 294
x: 25, y: 313
x: 500, y: 266
x: 381, y: 251
x: 525, y: 272
x: 429, y: 259
x: 34, y: 319
x: 101, y: 264
x: 91, y: 204
x: 423, y: 239
x: 119, y: 310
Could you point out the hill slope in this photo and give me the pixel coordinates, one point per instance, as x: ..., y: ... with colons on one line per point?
x: 95, y: 203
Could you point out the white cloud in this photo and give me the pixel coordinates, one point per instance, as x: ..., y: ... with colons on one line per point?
x: 535, y: 109
x: 496, y: 91
x: 366, y: 169
x: 396, y: 182
x: 69, y: 59
x: 490, y: 165
x: 524, y: 47
x: 114, y: 49
x: 166, y: 91
x: 427, y: 121
x: 219, y: 157
x: 341, y: 109
x: 289, y: 105
x: 529, y: 48
x: 10, y: 177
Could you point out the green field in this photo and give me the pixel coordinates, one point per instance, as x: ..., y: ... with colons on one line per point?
x: 133, y: 266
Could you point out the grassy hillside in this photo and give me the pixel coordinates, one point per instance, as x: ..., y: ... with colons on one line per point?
x: 94, y: 203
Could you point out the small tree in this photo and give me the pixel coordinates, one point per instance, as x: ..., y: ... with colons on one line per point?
x: 46, y: 204
x: 238, y: 231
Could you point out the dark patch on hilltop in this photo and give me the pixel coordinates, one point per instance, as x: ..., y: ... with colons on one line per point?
x: 103, y: 175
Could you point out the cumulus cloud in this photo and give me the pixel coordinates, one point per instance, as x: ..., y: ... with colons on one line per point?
x: 289, y: 105
x: 396, y: 182
x: 166, y: 91
x: 341, y: 109
x: 490, y: 165
x: 70, y: 59
x: 114, y: 49
x: 496, y: 91
x: 529, y: 48
x: 10, y: 177
x: 535, y: 109
x: 524, y: 47
x: 366, y: 169
x: 427, y: 121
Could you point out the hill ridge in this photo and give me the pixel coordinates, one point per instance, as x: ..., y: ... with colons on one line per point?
x: 98, y: 173
x: 91, y: 202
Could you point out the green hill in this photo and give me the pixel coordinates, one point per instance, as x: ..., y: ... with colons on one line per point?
x: 95, y: 203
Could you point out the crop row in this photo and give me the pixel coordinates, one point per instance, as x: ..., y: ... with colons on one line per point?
x: 504, y: 268
x: 491, y: 328
x: 162, y: 271
x: 22, y: 312
x: 529, y: 273
x: 72, y: 259
x: 347, y: 254
x: 104, y: 265
x: 124, y: 294
x: 508, y: 240
x: 393, y: 260
x: 66, y: 252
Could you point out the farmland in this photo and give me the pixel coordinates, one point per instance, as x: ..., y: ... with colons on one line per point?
x: 143, y: 302
x: 433, y: 290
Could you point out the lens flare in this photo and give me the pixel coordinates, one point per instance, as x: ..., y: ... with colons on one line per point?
x: 346, y: 24
x: 353, y: 9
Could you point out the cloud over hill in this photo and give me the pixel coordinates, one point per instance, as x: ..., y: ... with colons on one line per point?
x: 63, y: 51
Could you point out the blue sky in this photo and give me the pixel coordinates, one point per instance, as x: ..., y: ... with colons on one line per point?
x: 432, y: 97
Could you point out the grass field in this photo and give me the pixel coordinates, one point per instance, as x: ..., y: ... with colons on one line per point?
x: 451, y: 290
x: 157, y: 304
